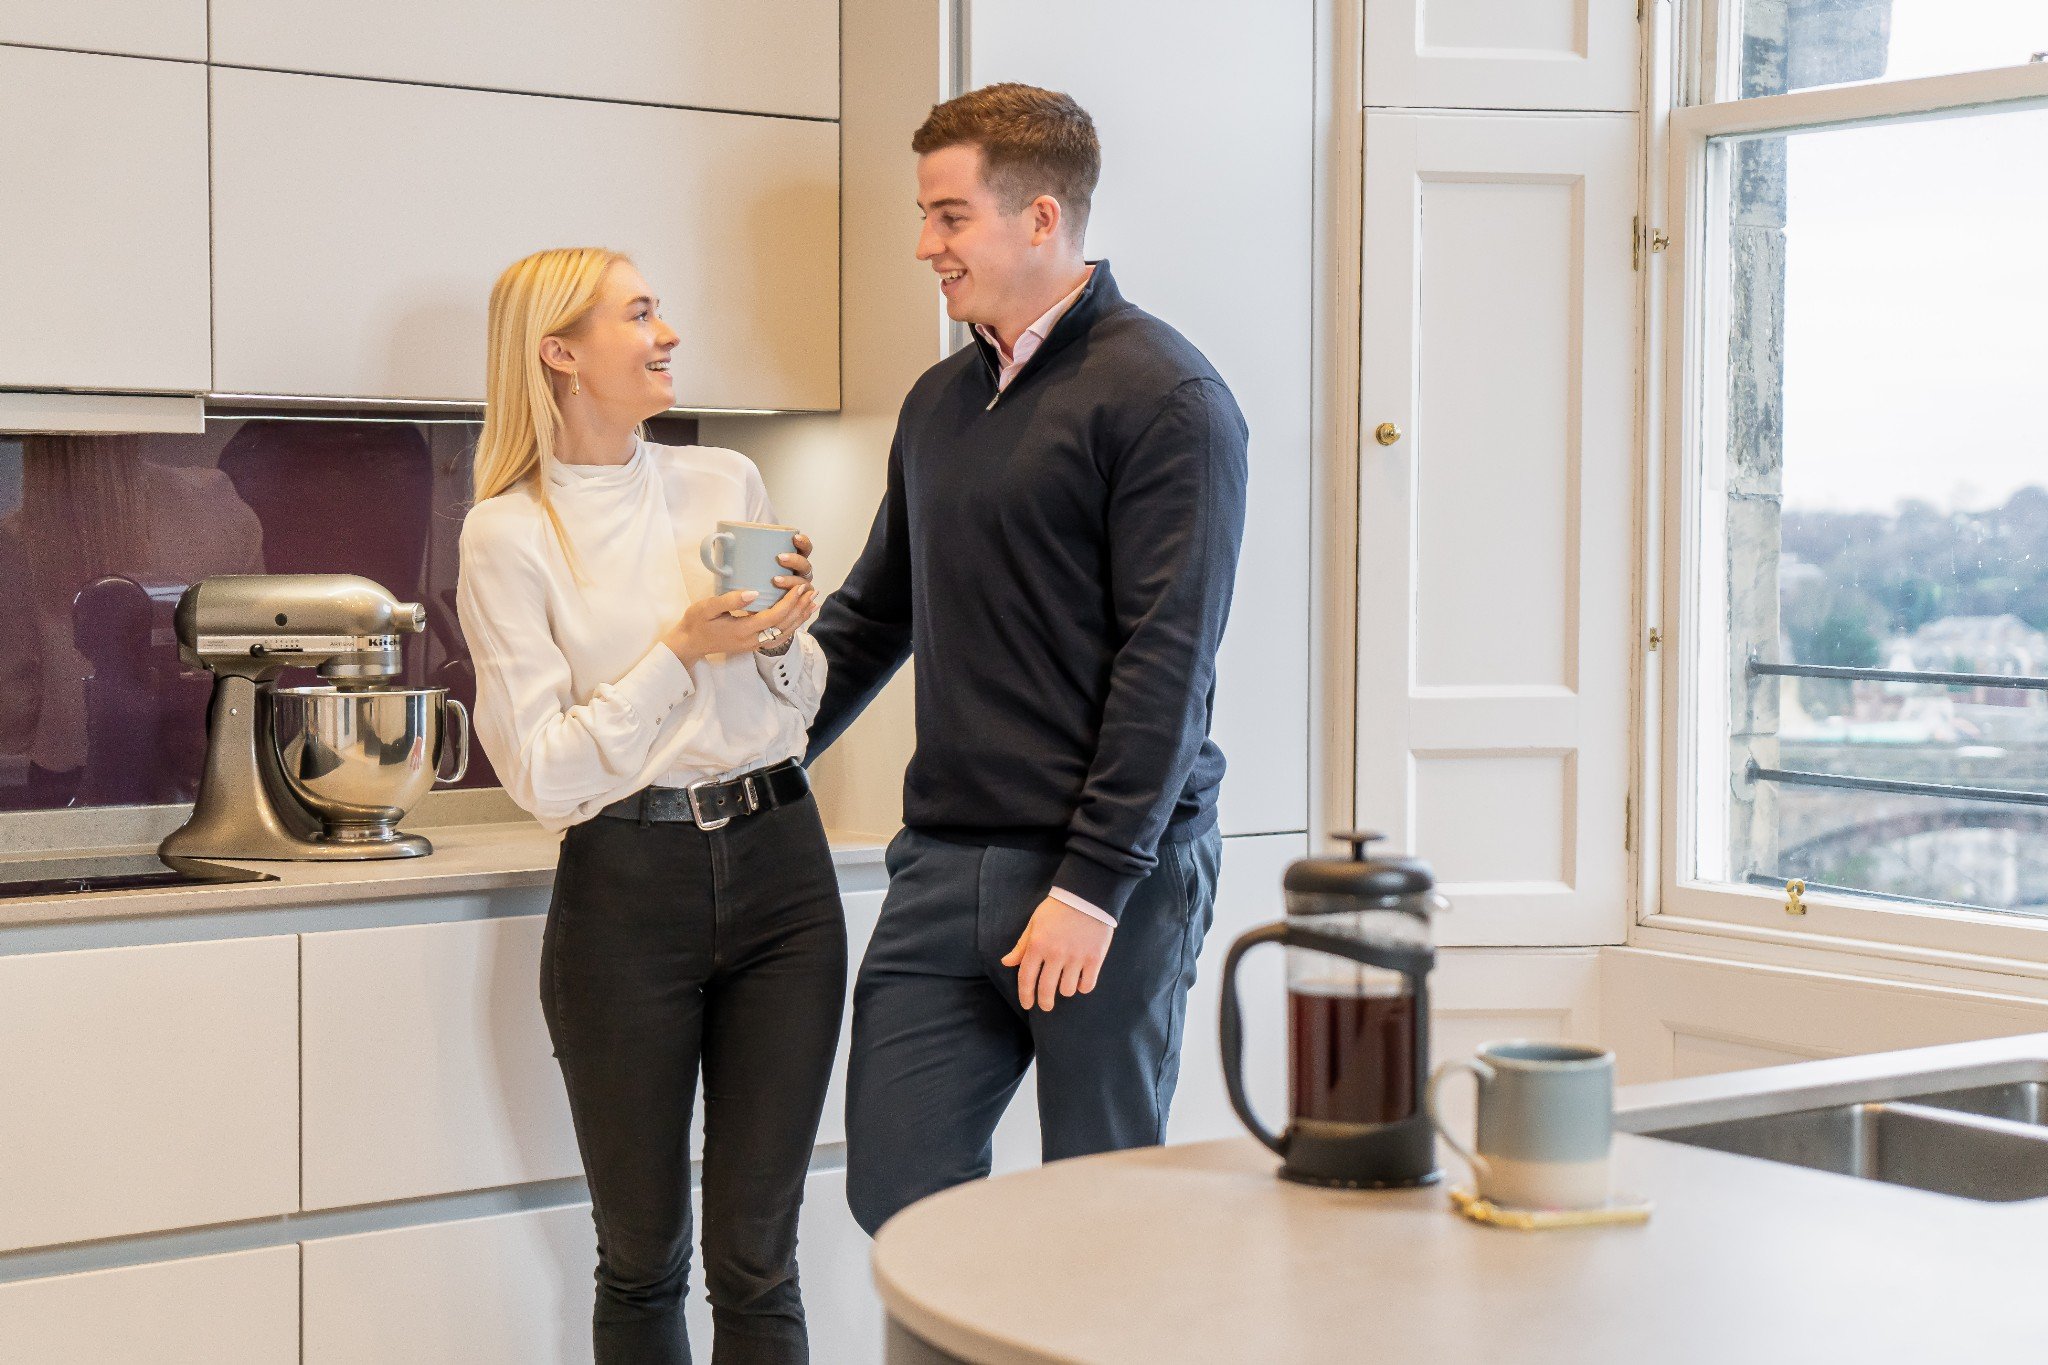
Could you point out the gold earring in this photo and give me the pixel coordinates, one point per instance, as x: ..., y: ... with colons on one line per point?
x: 575, y: 382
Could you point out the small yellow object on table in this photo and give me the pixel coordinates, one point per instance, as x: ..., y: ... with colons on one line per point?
x: 1479, y: 1210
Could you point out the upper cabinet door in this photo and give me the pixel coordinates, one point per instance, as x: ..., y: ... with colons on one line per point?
x: 136, y: 28
x: 761, y: 57
x: 358, y: 226
x: 103, y: 255
x: 1499, y: 54
x: 1495, y: 523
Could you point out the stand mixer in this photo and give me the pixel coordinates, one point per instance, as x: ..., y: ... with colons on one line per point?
x: 310, y: 773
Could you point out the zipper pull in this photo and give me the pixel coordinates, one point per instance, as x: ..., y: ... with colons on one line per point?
x: 993, y: 401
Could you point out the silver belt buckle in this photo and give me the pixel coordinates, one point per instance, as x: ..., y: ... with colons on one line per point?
x: 691, y: 794
x: 751, y: 801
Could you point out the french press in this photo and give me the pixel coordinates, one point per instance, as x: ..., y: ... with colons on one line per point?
x: 1359, y: 953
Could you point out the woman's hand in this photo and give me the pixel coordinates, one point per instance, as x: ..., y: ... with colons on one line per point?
x: 722, y: 624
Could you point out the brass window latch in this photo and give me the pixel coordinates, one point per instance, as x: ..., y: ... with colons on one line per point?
x: 1656, y: 239
x: 1795, y: 897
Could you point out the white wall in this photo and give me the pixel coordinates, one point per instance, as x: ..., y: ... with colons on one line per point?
x: 1206, y: 110
x: 826, y: 473
x: 1673, y: 1015
x: 1205, y: 208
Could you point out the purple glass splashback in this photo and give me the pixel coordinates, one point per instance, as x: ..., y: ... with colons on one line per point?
x: 99, y: 535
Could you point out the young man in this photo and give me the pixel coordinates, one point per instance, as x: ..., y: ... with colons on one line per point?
x: 1057, y: 546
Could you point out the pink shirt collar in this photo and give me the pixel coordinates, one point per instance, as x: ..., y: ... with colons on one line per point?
x: 1034, y: 336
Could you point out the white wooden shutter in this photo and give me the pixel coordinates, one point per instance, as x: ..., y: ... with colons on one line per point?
x: 1501, y: 54
x: 1496, y: 561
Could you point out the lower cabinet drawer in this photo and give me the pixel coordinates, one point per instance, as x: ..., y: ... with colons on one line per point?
x: 514, y: 1289
x: 145, y: 1089
x: 237, y: 1309
x: 427, y: 1064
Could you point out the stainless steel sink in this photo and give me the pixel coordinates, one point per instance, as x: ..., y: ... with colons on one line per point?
x: 1974, y: 1143
x: 2020, y: 1101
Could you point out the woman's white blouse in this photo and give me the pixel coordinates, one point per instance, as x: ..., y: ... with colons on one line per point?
x: 578, y: 703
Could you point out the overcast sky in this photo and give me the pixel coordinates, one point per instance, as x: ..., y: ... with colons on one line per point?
x: 1916, y: 350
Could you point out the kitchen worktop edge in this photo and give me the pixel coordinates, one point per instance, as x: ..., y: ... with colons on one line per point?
x: 467, y: 858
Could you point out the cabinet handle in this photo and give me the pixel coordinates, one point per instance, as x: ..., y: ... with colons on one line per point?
x: 1386, y: 433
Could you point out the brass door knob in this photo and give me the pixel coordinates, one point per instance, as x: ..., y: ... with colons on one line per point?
x: 1386, y: 433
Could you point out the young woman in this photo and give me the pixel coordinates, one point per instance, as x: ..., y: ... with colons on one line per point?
x: 696, y: 920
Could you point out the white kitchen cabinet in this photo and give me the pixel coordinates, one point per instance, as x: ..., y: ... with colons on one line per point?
x: 236, y: 1309
x: 358, y: 226
x: 144, y: 1089
x: 136, y: 28
x: 103, y: 244
x: 515, y: 1289
x: 863, y: 908
x: 1502, y: 54
x: 842, y: 1312
x: 840, y: 1304
x: 1249, y: 895
x: 1496, y: 522
x: 512, y: 1289
x: 766, y: 57
x: 1232, y: 82
x: 427, y: 1063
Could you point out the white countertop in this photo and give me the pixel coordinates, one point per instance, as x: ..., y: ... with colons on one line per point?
x: 471, y: 857
x: 1199, y: 1254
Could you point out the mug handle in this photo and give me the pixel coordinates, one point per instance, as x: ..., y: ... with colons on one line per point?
x: 1482, y: 1073
x: 450, y: 706
x: 715, y: 555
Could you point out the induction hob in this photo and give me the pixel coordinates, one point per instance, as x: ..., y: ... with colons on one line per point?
x: 113, y: 872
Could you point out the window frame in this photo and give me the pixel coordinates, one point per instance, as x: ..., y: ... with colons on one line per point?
x: 1685, y: 346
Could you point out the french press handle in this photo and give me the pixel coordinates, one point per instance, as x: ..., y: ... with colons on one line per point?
x: 1411, y: 962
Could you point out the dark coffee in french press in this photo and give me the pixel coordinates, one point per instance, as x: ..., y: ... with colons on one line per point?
x: 1359, y: 953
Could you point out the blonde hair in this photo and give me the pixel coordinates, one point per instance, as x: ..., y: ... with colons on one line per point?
x: 544, y: 295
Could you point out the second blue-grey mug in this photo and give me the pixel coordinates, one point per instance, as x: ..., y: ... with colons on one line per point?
x: 1546, y: 1120
x: 743, y: 555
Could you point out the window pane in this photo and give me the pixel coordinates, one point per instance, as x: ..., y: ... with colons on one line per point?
x: 1799, y: 44
x: 1882, y: 505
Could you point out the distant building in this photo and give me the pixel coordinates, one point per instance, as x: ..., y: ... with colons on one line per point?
x: 2003, y: 645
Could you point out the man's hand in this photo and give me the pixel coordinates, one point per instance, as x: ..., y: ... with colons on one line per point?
x: 798, y: 564
x: 1060, y: 953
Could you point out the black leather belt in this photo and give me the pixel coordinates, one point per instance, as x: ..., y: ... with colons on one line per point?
x: 713, y: 804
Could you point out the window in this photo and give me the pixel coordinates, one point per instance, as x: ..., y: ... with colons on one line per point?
x: 1856, y: 478
x: 1807, y: 44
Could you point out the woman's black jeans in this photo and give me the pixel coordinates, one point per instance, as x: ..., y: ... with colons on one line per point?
x: 669, y: 948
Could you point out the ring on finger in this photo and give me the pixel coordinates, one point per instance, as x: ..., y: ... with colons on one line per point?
x: 770, y: 635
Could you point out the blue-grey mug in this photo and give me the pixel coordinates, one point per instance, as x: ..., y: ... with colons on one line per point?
x: 1545, y: 1123
x: 744, y: 554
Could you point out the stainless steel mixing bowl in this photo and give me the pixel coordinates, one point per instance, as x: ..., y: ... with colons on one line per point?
x: 360, y: 760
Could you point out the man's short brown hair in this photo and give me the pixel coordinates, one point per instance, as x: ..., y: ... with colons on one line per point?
x: 1032, y: 142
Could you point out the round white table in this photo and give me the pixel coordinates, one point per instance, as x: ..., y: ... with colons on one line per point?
x: 1199, y: 1255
